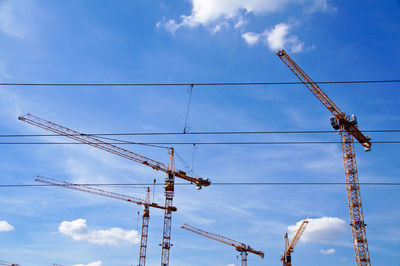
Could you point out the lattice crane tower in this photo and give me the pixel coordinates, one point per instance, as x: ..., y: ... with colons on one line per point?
x: 348, y: 128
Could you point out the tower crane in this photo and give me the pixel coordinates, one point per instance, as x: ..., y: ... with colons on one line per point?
x: 240, y: 247
x: 146, y: 204
x: 287, y: 254
x: 8, y: 263
x: 348, y: 129
x: 169, y: 170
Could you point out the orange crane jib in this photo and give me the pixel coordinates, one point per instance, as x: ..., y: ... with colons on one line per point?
x: 92, y: 141
x: 286, y: 257
x: 348, y: 129
x: 84, y: 188
x: 241, y: 247
x: 348, y: 122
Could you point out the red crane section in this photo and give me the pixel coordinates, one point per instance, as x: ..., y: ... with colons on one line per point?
x: 92, y: 141
x: 84, y: 188
x: 348, y: 129
x: 239, y: 246
x: 286, y: 257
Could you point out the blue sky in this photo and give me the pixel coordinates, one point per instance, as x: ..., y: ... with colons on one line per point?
x: 197, y: 41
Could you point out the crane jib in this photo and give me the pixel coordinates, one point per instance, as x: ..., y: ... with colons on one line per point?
x: 94, y: 142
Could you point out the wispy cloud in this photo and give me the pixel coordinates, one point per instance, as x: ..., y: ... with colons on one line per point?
x: 79, y: 231
x: 96, y: 263
x: 211, y: 12
x: 329, y: 251
x: 214, y: 15
x: 275, y: 38
x: 5, y: 226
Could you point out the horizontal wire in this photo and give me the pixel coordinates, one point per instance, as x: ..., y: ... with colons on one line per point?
x: 200, y: 133
x: 199, y: 143
x: 201, y: 84
x: 212, y: 184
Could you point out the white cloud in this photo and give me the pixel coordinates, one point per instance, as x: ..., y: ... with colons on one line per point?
x: 231, y: 265
x: 321, y: 5
x: 276, y: 38
x: 214, y: 14
x: 251, y: 38
x: 324, y: 229
x: 5, y: 226
x: 208, y: 12
x: 96, y: 263
x: 78, y: 230
x: 330, y: 251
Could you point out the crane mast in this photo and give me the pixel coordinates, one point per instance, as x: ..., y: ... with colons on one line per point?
x: 169, y: 188
x: 146, y: 205
x: 240, y: 247
x: 348, y: 128
x: 287, y: 254
x: 145, y: 230
x: 92, y: 141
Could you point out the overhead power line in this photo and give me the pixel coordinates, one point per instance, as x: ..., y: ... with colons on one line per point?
x: 202, y: 133
x: 214, y: 184
x: 199, y: 84
x: 198, y: 143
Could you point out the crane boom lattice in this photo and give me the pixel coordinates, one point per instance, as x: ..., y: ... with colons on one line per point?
x: 239, y: 246
x: 297, y: 236
x: 219, y: 238
x: 286, y: 257
x: 84, y: 188
x: 325, y: 100
x: 95, y: 142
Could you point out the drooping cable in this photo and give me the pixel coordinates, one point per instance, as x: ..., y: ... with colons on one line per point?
x: 190, y: 91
